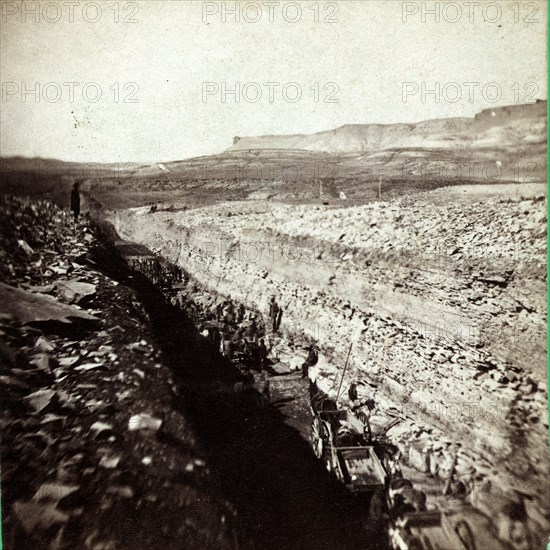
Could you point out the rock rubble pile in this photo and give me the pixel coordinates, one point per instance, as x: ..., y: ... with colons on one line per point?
x: 94, y: 453
x: 445, y: 306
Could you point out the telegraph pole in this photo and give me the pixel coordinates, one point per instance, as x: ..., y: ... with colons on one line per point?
x: 380, y: 189
x: 343, y: 373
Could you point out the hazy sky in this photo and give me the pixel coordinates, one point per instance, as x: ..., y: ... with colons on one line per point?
x: 152, y: 73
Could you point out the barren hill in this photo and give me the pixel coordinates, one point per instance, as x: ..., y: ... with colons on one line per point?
x: 501, y: 145
x: 502, y: 128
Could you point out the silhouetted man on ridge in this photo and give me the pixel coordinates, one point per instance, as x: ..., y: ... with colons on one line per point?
x: 75, y: 200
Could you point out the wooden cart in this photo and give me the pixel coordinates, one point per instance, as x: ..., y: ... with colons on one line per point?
x: 358, y: 466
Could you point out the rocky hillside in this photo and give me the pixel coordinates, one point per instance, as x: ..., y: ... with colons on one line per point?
x: 96, y: 452
x: 500, y: 128
x: 445, y: 305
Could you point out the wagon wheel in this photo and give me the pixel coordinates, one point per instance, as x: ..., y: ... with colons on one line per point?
x: 317, y: 437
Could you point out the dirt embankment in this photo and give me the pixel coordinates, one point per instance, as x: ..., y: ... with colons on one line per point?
x: 115, y: 433
x: 445, y: 306
x: 98, y: 451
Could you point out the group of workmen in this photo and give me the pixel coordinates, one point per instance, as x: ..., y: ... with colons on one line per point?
x: 160, y: 273
x: 238, y: 334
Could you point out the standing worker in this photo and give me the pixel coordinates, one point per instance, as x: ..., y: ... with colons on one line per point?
x: 352, y: 392
x: 262, y: 355
x: 312, y: 358
x: 279, y: 317
x: 240, y: 313
x: 75, y: 200
x: 274, y: 313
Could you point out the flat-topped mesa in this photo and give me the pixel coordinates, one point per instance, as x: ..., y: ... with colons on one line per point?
x: 509, y: 112
x: 500, y: 127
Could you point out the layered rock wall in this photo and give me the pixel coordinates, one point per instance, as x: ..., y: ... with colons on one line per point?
x: 445, y: 307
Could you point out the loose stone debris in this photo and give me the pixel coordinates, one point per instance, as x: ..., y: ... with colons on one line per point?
x: 445, y: 306
x: 101, y: 414
x: 70, y: 468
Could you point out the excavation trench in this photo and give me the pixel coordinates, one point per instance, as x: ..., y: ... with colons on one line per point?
x: 259, y: 452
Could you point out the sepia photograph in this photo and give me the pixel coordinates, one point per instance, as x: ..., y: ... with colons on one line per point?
x: 273, y: 275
